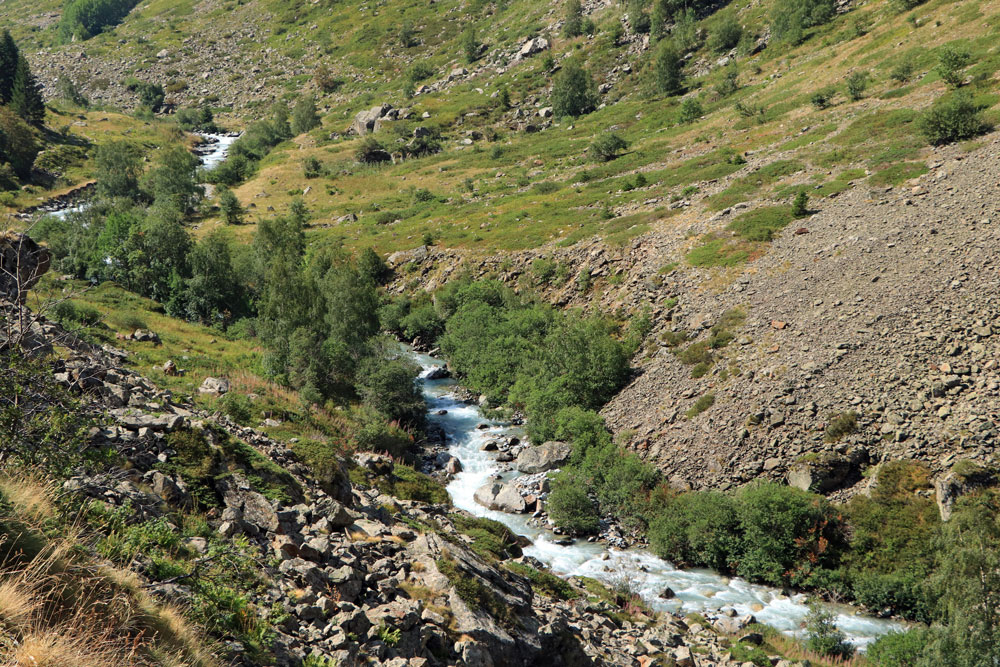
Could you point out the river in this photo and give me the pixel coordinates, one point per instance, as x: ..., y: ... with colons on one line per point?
x: 696, y: 590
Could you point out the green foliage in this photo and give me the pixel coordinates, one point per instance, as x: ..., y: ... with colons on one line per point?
x: 470, y: 45
x: 952, y: 118
x: 173, y: 179
x: 703, y: 403
x: 151, y: 95
x: 229, y: 206
x: 697, y: 529
x: 952, y: 62
x: 406, y: 483
x: 18, y: 147
x: 822, y: 635
x: 898, y: 649
x: 196, y: 120
x: 255, y: 143
x: 491, y: 540
x: 304, y: 116
x: 118, y: 170
x: 840, y: 426
x: 82, y: 19
x: 574, y: 92
x: 727, y: 33
x: 821, y: 98
x: 571, y: 509
x: 26, y: 94
x: 473, y: 592
x: 903, y: 71
x: 800, y: 206
x: 545, y: 583
x: 762, y: 223
x: 690, y: 111
x: 9, y: 58
x: 790, y: 18
x: 607, y: 147
x: 70, y: 313
x: 385, y: 385
x: 573, y: 21
x: 371, y: 151
x: 856, y: 84
x: 667, y: 69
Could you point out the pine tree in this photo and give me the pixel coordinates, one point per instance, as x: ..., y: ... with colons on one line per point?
x: 9, y: 57
x: 26, y: 94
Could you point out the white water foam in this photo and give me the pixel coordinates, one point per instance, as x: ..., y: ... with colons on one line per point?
x: 696, y: 590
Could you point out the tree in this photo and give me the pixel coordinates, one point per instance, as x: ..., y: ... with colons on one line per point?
x: 18, y: 147
x: 668, y: 70
x: 9, y: 57
x: 727, y: 33
x: 573, y: 23
x: 690, y: 110
x: 26, y: 95
x: 386, y: 385
x: 574, y: 92
x: 857, y: 82
x: 304, y: 116
x: 790, y: 18
x: 373, y: 266
x: 470, y: 45
x: 229, y: 207
x: 213, y: 293
x: 800, y: 206
x: 156, y: 253
x: 151, y: 95
x: 697, y: 529
x: 637, y: 16
x: 173, y: 179
x: 967, y: 580
x: 119, y: 167
x: 68, y: 91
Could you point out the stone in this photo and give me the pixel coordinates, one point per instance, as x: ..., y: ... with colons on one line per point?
x: 364, y: 121
x: 544, y: 457
x: 965, y: 477
x: 22, y: 264
x: 215, y: 386
x: 500, y: 497
x: 533, y: 46
x: 828, y: 472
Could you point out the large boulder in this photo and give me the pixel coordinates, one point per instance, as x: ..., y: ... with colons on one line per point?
x: 364, y: 121
x: 216, y: 386
x: 500, y: 497
x: 256, y: 512
x: 547, y: 456
x: 533, y: 46
x: 827, y: 472
x: 964, y: 478
x: 22, y: 263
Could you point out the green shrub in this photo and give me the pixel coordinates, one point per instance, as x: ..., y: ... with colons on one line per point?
x: 762, y: 223
x: 668, y: 69
x: 898, y: 649
x: 821, y: 98
x: 473, y: 592
x: 952, y: 118
x: 492, y: 540
x: 823, y: 636
x: 727, y: 33
x: 703, y: 403
x: 697, y: 529
x: 607, y: 147
x: 690, y: 111
x: 312, y: 167
x: 69, y: 313
x: 570, y: 508
x: 952, y: 62
x: 856, y: 84
x: 371, y: 151
x: 406, y: 483
x: 800, y: 206
x: 544, y: 269
x: 545, y: 583
x: 470, y: 45
x: 903, y: 71
x: 840, y: 426
x: 238, y: 407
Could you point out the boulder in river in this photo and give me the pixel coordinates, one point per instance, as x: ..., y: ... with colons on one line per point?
x: 547, y: 456
x: 500, y: 497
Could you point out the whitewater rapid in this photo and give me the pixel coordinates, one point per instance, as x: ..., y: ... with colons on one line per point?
x: 696, y: 590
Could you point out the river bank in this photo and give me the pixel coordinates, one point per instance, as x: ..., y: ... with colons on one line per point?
x: 661, y: 585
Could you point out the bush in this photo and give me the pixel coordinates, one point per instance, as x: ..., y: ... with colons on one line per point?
x: 727, y: 34
x: 952, y: 118
x: 800, y: 206
x: 856, y: 84
x: 312, y: 167
x: 697, y: 529
x: 570, y: 508
x: 704, y: 402
x: 822, y: 635
x: 82, y: 19
x: 607, y: 147
x: 898, y: 649
x: 790, y: 18
x: 371, y: 152
x: 573, y: 24
x: 325, y: 79
x: 821, y: 98
x: 17, y: 143
x: 903, y: 71
x: 690, y: 111
x: 73, y: 313
x: 304, y: 116
x: 470, y: 45
x: 574, y: 92
x: 951, y: 63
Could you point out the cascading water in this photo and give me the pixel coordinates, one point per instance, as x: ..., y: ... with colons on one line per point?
x: 696, y: 590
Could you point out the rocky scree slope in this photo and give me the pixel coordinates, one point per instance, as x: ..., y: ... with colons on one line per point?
x: 361, y: 577
x: 882, y: 304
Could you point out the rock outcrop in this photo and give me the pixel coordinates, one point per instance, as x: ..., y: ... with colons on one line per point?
x: 22, y: 264
x: 544, y: 457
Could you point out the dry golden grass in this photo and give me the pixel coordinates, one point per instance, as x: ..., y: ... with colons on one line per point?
x: 66, y: 648
x: 18, y: 605
x: 31, y: 497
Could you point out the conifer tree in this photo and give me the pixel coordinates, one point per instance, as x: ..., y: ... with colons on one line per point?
x: 26, y: 94
x: 9, y: 57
